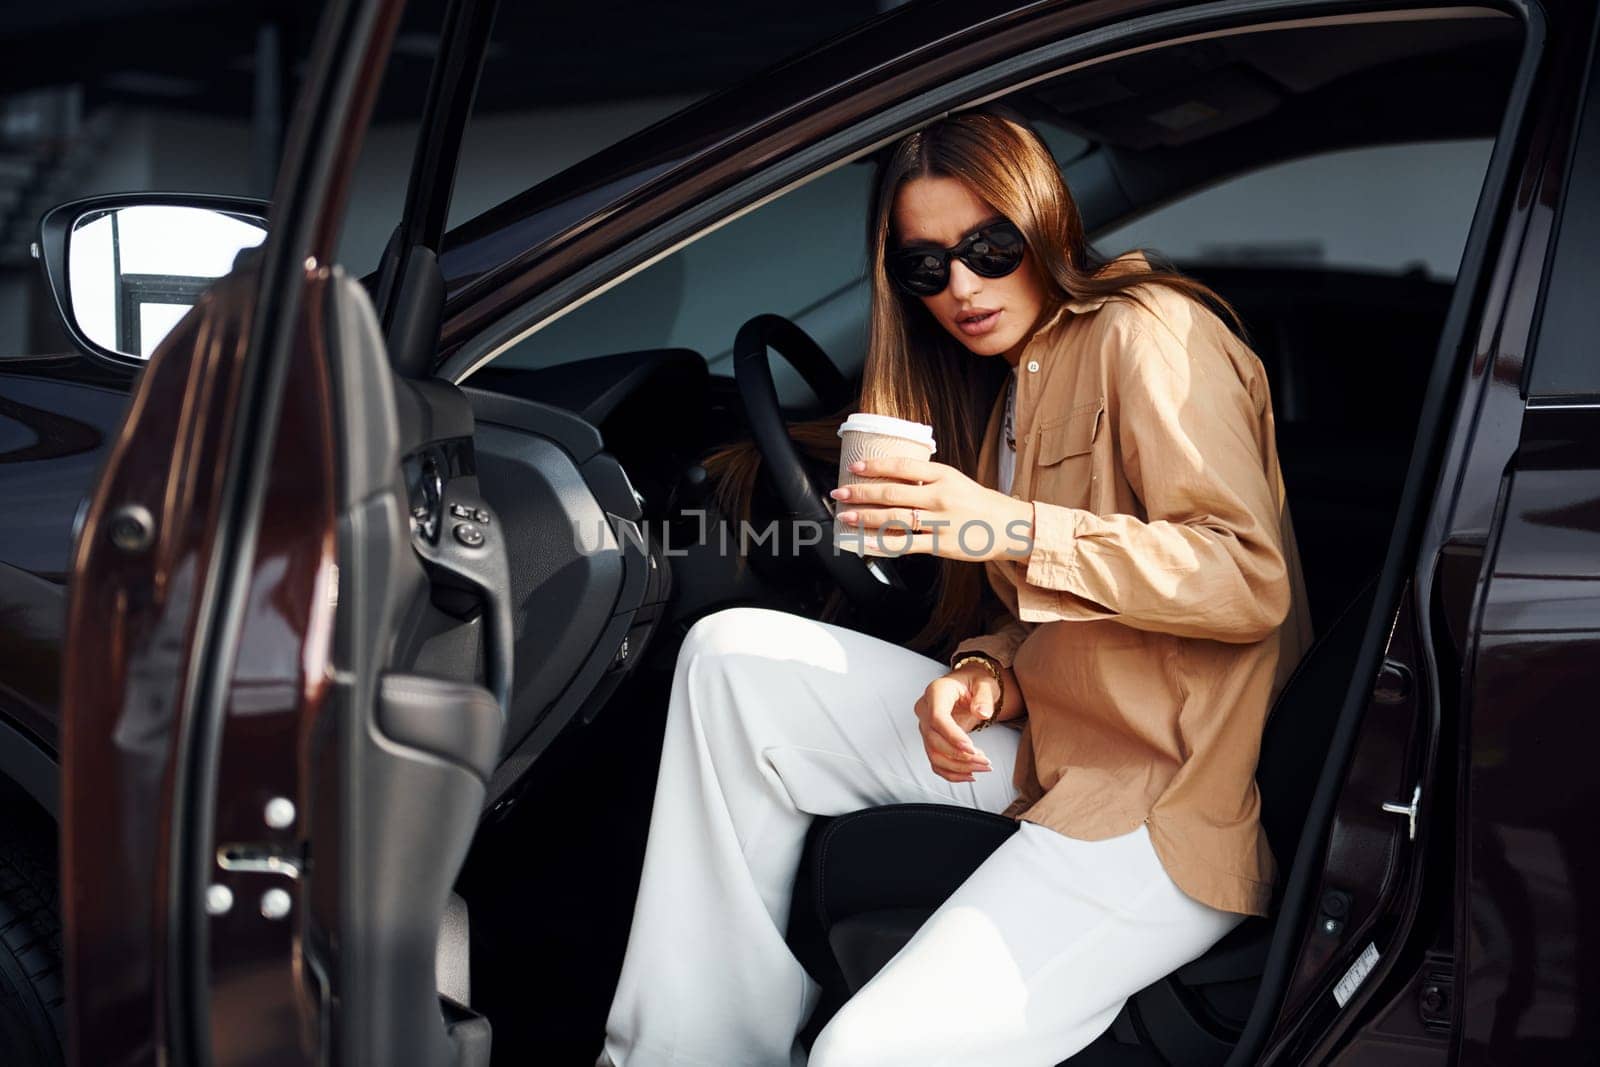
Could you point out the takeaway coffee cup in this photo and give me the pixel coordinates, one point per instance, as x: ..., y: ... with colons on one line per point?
x: 865, y: 436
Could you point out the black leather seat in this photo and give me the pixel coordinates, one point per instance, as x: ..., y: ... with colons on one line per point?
x: 872, y: 877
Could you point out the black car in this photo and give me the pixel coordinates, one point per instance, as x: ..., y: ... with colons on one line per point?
x: 344, y: 743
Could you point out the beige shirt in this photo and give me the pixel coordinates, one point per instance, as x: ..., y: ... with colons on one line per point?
x: 1162, y: 606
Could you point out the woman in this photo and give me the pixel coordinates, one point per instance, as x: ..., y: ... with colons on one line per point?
x: 1136, y: 633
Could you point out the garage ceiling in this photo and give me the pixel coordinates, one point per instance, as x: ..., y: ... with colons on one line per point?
x: 201, y: 56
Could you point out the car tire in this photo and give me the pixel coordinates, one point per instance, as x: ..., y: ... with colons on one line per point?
x: 32, y: 978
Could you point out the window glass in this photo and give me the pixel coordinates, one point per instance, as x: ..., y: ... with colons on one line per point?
x: 1564, y: 361
x: 1064, y: 145
x: 802, y: 255
x: 1361, y: 209
x: 1352, y: 209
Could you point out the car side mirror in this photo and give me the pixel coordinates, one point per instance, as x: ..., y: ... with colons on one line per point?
x: 123, y: 269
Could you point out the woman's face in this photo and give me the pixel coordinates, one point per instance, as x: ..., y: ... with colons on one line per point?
x: 941, y: 211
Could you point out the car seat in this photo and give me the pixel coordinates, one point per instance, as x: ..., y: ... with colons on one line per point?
x: 870, y: 878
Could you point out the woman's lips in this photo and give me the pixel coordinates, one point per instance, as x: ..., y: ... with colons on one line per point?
x: 979, y: 326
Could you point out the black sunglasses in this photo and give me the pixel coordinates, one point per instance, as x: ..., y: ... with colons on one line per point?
x: 992, y: 251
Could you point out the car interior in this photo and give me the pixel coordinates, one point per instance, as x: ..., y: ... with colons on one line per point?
x: 600, y: 421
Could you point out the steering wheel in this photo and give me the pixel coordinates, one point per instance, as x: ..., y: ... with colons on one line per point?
x: 872, y: 583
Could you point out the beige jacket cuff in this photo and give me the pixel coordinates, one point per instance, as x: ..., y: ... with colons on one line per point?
x: 1005, y: 635
x: 1001, y: 647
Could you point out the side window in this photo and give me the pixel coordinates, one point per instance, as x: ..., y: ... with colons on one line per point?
x: 1346, y: 251
x: 1357, y: 209
x: 802, y: 255
x: 1564, y: 362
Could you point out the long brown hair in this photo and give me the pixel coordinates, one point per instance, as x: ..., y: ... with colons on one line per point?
x: 914, y: 368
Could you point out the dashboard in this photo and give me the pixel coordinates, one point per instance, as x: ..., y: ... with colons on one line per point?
x: 588, y: 573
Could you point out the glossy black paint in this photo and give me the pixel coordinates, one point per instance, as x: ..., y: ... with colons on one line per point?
x: 57, y: 418
x: 1532, y: 958
x: 53, y: 436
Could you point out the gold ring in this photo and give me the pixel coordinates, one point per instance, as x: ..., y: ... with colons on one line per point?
x: 916, y: 521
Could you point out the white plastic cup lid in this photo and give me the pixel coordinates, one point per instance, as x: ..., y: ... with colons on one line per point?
x: 889, y: 426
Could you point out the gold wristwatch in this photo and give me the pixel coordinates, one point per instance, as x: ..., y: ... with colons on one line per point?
x: 994, y: 669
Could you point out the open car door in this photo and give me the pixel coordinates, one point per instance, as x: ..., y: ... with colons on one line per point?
x: 287, y: 664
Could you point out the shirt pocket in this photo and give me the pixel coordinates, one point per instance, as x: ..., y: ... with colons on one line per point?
x: 1064, y: 467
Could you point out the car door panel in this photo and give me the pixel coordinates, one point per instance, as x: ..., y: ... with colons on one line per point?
x: 1529, y: 862
x: 251, y: 756
x: 1527, y: 973
x: 462, y: 546
x: 1367, y: 843
x: 31, y: 629
x: 1404, y: 908
x: 263, y: 847
x: 410, y: 752
x: 139, y: 588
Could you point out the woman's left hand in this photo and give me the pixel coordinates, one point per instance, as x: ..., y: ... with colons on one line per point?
x: 957, y: 517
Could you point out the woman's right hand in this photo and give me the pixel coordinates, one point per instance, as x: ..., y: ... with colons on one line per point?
x: 946, y: 713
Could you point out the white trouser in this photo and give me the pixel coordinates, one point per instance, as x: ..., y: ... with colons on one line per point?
x: 775, y: 718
